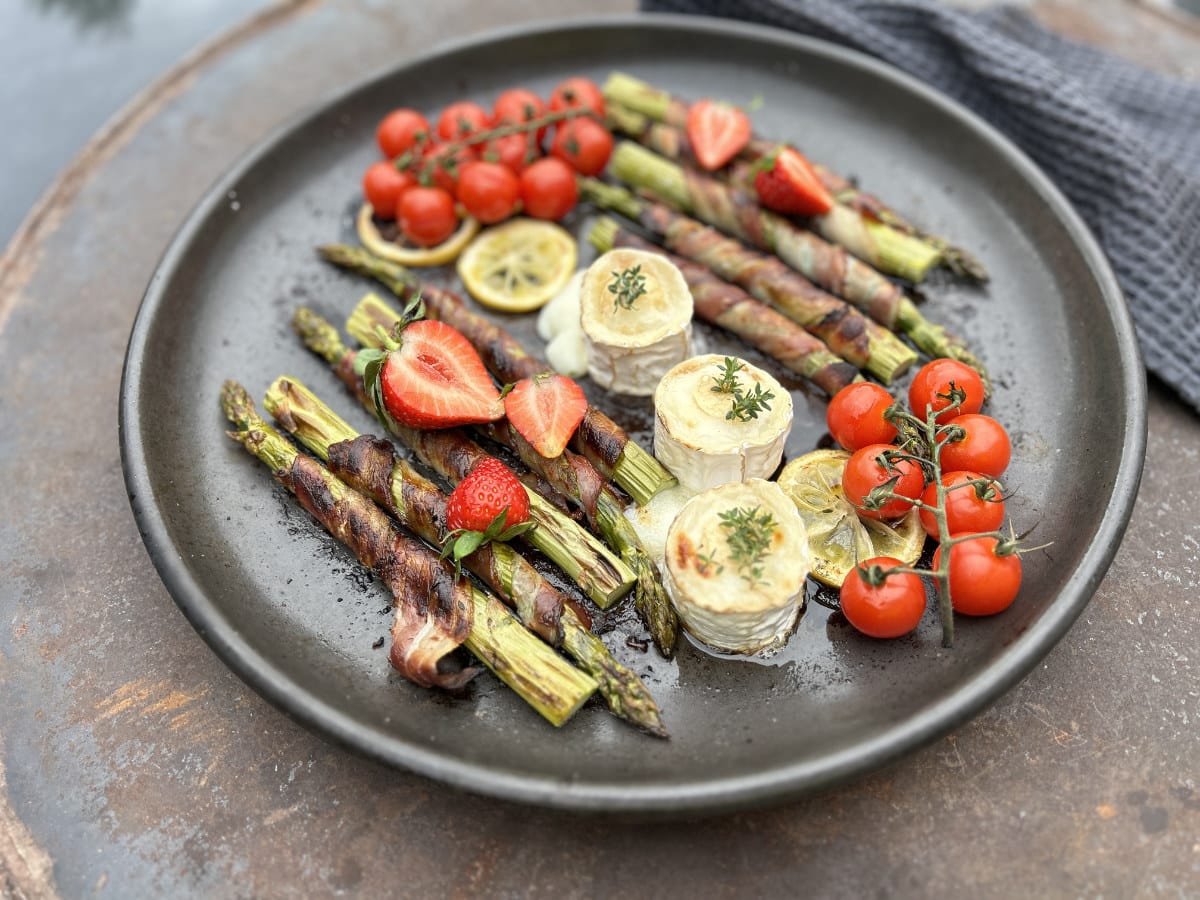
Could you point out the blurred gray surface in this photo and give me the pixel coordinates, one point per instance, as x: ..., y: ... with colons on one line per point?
x: 68, y: 65
x: 133, y: 764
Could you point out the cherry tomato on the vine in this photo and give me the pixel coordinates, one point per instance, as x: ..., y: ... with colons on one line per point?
x: 513, y: 151
x: 578, y: 92
x: 931, y: 385
x: 982, y: 581
x: 519, y: 105
x: 426, y: 215
x: 966, y: 511
x: 489, y: 191
x: 855, y: 416
x: 888, y: 610
x: 985, y: 446
x: 443, y: 166
x: 383, y: 184
x: 583, y: 144
x: 548, y: 189
x: 865, y: 470
x: 401, y: 130
x: 462, y: 120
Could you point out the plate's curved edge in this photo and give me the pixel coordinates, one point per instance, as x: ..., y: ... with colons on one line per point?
x: 773, y: 785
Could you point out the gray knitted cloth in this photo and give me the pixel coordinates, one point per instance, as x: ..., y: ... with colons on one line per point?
x: 1121, y: 142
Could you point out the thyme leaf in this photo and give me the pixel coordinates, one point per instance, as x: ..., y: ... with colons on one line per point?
x: 748, y: 532
x: 747, y: 406
x: 626, y: 286
x: 727, y: 382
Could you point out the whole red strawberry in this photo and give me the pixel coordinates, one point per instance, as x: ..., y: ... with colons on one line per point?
x: 490, y: 504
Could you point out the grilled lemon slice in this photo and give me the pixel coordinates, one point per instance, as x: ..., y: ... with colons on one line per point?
x: 413, y: 257
x: 518, y: 266
x: 838, y: 538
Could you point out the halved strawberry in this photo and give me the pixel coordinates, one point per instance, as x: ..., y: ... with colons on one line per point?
x: 786, y: 183
x: 435, y: 379
x: 717, y: 132
x: 546, y: 409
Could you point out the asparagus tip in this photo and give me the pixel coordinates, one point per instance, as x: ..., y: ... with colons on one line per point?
x: 318, y: 334
x: 237, y: 405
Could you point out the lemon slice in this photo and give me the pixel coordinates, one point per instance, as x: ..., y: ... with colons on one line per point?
x: 837, y: 538
x: 518, y: 266
x: 414, y: 257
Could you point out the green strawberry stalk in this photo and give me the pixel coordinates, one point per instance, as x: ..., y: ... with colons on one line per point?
x: 729, y: 307
x: 435, y: 612
x: 632, y: 95
x: 602, y: 576
x: 371, y: 465
x: 602, y: 441
x: 887, y: 249
x: 737, y: 213
x: 842, y: 328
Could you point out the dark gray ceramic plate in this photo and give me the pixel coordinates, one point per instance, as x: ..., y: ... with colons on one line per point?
x: 291, y: 613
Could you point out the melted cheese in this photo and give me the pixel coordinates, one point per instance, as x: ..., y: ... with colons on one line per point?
x: 714, y: 599
x: 698, y: 444
x: 629, y: 350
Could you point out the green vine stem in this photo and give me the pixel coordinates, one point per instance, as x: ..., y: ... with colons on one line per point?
x: 447, y: 151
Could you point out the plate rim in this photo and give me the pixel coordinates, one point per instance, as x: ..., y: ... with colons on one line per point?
x: 717, y: 794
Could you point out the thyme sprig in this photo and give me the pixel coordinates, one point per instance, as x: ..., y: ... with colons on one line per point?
x: 726, y: 382
x: 626, y: 286
x: 748, y: 532
x: 745, y: 405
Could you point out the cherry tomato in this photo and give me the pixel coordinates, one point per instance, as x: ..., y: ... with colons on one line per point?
x: 985, y: 447
x: 489, y: 191
x: 383, y: 184
x: 866, y: 471
x: 966, y: 511
x: 461, y: 120
x: 855, y: 416
x: 889, y: 610
x: 548, y: 189
x: 982, y: 581
x: 443, y: 166
x: 427, y: 215
x: 401, y: 130
x: 931, y: 385
x: 520, y: 105
x: 583, y: 144
x: 577, y: 92
x: 512, y: 151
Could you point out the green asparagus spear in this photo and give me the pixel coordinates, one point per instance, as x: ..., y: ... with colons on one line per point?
x: 729, y: 307
x: 574, y: 478
x: 844, y: 330
x: 626, y: 91
x: 586, y: 561
x: 370, y: 465
x: 601, y: 440
x: 887, y: 249
x: 415, y: 575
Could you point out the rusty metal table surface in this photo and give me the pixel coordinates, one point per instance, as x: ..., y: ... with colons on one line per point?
x: 133, y: 763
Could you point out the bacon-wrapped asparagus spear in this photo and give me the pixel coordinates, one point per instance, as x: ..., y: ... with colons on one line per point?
x: 737, y: 213
x: 435, y: 612
x: 876, y: 244
x: 370, y: 465
x: 843, y: 329
x: 728, y: 306
x: 626, y: 91
x: 602, y: 441
x: 574, y: 478
x: 450, y: 453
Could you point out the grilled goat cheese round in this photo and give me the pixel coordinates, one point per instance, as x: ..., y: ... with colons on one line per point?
x: 636, y: 313
x: 736, y: 559
x: 699, y: 436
